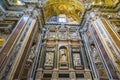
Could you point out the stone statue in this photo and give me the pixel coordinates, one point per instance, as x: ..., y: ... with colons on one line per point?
x: 63, y: 57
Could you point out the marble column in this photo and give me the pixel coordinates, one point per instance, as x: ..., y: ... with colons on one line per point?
x: 85, y: 64
x: 71, y: 58
x: 55, y: 57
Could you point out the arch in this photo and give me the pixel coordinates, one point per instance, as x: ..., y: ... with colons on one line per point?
x: 53, y: 7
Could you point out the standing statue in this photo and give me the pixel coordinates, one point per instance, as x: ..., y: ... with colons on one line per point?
x: 63, y: 57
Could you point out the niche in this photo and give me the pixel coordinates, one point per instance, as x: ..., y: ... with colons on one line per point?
x: 63, y: 57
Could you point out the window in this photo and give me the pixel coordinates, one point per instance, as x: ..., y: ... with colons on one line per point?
x: 62, y: 19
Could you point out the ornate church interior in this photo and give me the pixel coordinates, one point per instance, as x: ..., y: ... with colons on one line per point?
x: 59, y: 39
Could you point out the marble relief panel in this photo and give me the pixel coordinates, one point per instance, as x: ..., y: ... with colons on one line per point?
x: 51, y: 35
x: 49, y: 60
x: 62, y: 35
x: 73, y: 35
x: 76, y: 59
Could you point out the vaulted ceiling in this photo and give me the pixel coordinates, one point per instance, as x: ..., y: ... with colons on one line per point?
x: 69, y: 7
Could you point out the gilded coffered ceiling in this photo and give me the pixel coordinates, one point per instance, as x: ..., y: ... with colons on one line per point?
x: 105, y: 3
